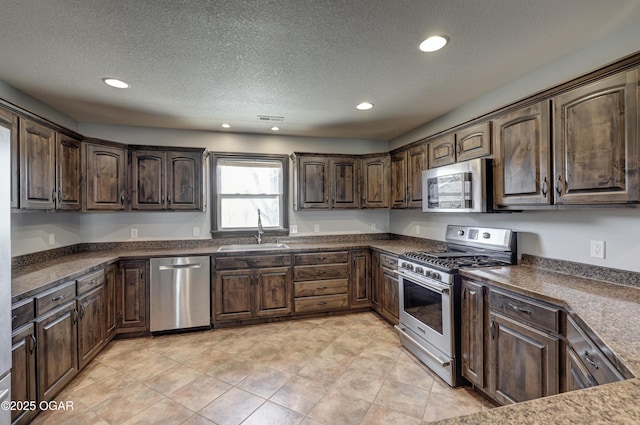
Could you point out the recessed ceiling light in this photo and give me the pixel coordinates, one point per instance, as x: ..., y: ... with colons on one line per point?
x: 225, y: 125
x: 114, y: 82
x: 275, y: 128
x: 364, y: 106
x: 433, y: 43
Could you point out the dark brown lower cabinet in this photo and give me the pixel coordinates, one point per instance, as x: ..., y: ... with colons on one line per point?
x: 131, y: 297
x: 90, y: 325
x: 110, y: 307
x: 524, y: 361
x: 472, y: 331
x: 57, y: 353
x: 384, y: 282
x: 360, y: 278
x: 23, y: 371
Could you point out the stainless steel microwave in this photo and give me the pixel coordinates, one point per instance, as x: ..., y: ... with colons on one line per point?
x: 461, y: 187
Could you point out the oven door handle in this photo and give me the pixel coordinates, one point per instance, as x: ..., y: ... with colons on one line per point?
x: 437, y: 288
x: 437, y: 359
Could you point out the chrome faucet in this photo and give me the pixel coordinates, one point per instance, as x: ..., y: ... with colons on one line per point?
x: 260, y: 229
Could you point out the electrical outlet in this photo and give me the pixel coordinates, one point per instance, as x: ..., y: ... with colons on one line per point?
x: 134, y: 233
x: 196, y: 232
x: 293, y: 229
x: 597, y: 249
x: 52, y: 238
x: 373, y: 227
x: 417, y: 229
x: 316, y: 228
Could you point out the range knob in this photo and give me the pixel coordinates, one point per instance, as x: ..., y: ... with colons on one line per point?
x: 428, y: 273
x: 460, y: 232
x: 486, y: 235
x: 408, y: 266
x: 436, y: 276
x: 419, y: 270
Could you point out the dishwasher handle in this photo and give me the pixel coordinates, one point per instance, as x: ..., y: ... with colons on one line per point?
x: 180, y: 266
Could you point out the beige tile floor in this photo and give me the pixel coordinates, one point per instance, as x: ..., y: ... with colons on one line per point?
x: 347, y: 370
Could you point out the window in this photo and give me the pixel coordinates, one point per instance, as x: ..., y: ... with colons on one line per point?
x: 245, y: 183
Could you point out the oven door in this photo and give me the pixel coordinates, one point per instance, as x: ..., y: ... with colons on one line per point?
x: 425, y: 308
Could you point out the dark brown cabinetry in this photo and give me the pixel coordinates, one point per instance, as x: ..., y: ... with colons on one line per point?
x: 166, y: 180
x: 106, y: 177
x: 375, y: 185
x: 321, y: 281
x: 596, y: 142
x: 406, y: 176
x: 68, y: 173
x: 251, y: 287
x: 132, y: 297
x: 472, y: 332
x: 466, y: 143
x: 360, y: 278
x: 384, y: 282
x: 56, y: 334
x: 91, y: 320
x: 23, y: 360
x: 37, y: 166
x: 522, y: 158
x: 110, y: 307
x: 326, y: 182
x: 9, y: 130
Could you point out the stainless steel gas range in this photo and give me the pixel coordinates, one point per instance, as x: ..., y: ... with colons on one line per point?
x: 429, y: 285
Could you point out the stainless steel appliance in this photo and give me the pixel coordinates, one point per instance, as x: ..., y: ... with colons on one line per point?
x: 5, y: 273
x: 180, y: 293
x: 429, y: 286
x: 461, y: 187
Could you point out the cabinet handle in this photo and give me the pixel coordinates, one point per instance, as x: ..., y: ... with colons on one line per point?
x: 252, y: 261
x: 322, y: 271
x: 492, y: 330
x: 588, y: 358
x: 322, y: 303
x: 321, y: 288
x: 458, y: 149
x: 93, y: 282
x: 544, y: 188
x: 559, y: 185
x: 122, y: 199
x: 58, y: 298
x: 322, y: 258
x: 75, y: 316
x: 169, y: 199
x: 60, y: 195
x: 14, y: 318
x: 33, y: 344
x: 520, y: 309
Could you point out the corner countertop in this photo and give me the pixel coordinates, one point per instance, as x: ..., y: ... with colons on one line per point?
x: 29, y: 280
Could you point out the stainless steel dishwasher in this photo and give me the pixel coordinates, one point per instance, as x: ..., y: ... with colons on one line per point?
x: 180, y: 293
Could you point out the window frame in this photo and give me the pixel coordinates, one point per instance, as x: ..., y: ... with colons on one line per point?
x: 283, y: 159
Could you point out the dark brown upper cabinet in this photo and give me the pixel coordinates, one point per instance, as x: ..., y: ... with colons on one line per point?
x: 326, y: 182
x: 167, y: 180
x: 596, y: 142
x: 522, y: 158
x: 375, y: 182
x: 106, y: 177
x: 406, y: 177
x: 466, y: 143
x: 37, y: 166
x: 68, y: 173
x: 9, y: 131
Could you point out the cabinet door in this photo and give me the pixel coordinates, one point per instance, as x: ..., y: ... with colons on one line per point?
x: 23, y: 371
x: 68, y: 173
x: 442, y: 150
x: 360, y: 279
x: 596, y: 142
x: 105, y: 178
x: 473, y: 142
x: 472, y: 344
x: 57, y: 352
x: 184, y: 180
x: 376, y: 281
x: 90, y: 325
x: 524, y: 361
x: 110, y: 308
x: 9, y: 131
x: 578, y: 377
x: 313, y: 183
x: 375, y: 182
x: 233, y: 294
x: 522, y: 158
x: 148, y: 189
x: 390, y: 296
x: 132, y: 297
x: 37, y: 166
x: 273, y: 292
x: 345, y: 181
x: 416, y: 162
x: 399, y: 180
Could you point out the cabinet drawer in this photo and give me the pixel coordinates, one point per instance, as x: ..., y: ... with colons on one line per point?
x: 590, y: 355
x: 90, y: 282
x: 321, y: 287
x: 55, y: 297
x: 322, y: 303
x: 321, y: 258
x: 389, y: 262
x: 329, y: 271
x: 21, y: 313
x: 543, y: 315
x: 246, y: 262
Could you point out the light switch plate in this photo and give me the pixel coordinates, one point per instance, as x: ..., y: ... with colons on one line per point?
x: 293, y: 229
x: 196, y: 232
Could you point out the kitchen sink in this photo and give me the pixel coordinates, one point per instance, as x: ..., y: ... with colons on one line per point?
x: 252, y: 247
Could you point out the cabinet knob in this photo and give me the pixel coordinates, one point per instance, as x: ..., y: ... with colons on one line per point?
x: 544, y: 188
x: 559, y: 185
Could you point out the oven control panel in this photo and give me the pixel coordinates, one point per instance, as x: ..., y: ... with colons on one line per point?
x: 480, y: 237
x: 410, y: 268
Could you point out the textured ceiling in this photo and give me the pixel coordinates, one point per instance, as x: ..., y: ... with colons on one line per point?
x: 195, y: 64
